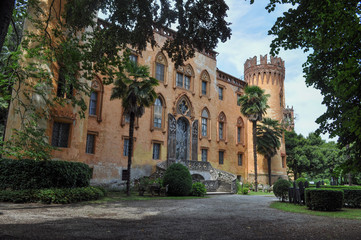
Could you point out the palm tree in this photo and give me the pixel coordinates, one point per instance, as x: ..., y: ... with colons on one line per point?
x: 254, y: 105
x: 136, y: 90
x: 268, y: 140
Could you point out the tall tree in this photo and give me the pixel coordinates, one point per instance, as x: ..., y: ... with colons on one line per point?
x: 136, y: 90
x: 254, y: 106
x: 268, y: 141
x: 6, y: 11
x: 331, y: 31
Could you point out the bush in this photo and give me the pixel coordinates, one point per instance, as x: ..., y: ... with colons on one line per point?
x: 198, y: 189
x: 280, y: 189
x: 54, y: 195
x: 324, y: 199
x: 303, y: 180
x: 245, y: 191
x: 179, y: 180
x: 352, y: 198
x: 30, y: 174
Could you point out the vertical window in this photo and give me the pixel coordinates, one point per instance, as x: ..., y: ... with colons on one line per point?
x: 222, y: 127
x: 238, y: 97
x: 283, y: 161
x: 220, y: 93
x: 221, y: 130
x: 187, y: 82
x: 159, y: 71
x: 179, y: 79
x: 156, y: 151
x: 125, y: 147
x: 90, y: 144
x: 204, y: 155
x: 93, y: 103
x: 126, y: 118
x: 204, y: 123
x: 158, y: 113
x: 64, y: 89
x: 60, y: 136
x: 204, y: 88
x: 238, y: 134
x: 133, y: 58
x: 240, y: 159
x: 221, y: 157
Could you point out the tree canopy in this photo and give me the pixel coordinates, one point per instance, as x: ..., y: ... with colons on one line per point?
x: 331, y: 32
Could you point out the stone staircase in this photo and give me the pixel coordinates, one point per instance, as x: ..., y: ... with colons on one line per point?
x: 214, y: 179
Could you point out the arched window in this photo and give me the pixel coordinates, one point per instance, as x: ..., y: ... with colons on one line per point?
x: 161, y: 68
x: 96, y: 99
x: 222, y: 126
x: 240, y: 131
x: 184, y: 78
x: 205, y: 123
x: 204, y: 84
x: 158, y: 114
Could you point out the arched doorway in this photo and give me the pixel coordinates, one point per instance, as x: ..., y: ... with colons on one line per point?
x: 182, y: 138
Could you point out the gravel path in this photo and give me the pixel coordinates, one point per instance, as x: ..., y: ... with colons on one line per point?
x: 218, y: 217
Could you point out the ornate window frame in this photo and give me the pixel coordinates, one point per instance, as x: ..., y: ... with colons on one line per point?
x: 222, y: 119
x: 240, y: 127
x: 220, y: 86
x: 161, y: 59
x: 205, y: 77
x: 164, y: 108
x: 208, y: 136
x: 185, y: 71
x: 97, y: 86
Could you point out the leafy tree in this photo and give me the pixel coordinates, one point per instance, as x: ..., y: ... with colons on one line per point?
x: 136, y: 90
x: 254, y: 106
x: 268, y: 141
x: 331, y: 31
x: 297, y: 162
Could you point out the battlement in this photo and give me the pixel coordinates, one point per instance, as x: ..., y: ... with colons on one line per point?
x: 262, y: 62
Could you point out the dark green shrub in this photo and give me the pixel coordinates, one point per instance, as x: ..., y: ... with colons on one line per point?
x: 280, y: 189
x: 55, y: 195
x: 324, y: 199
x: 238, y: 187
x: 245, y: 191
x: 179, y: 180
x: 198, y: 189
x: 30, y: 174
x: 352, y: 198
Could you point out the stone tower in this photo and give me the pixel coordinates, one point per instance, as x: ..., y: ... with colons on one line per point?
x: 268, y: 75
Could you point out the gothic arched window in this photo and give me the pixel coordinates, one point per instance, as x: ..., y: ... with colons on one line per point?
x: 240, y: 131
x: 161, y: 68
x: 205, y: 123
x: 158, y: 114
x: 222, y: 127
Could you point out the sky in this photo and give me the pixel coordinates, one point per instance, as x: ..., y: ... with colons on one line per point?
x: 250, y: 25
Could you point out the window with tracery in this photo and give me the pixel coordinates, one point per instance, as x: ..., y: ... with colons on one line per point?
x: 222, y: 126
x: 184, y: 77
x: 160, y: 67
x: 205, y: 83
x: 240, y: 131
x: 204, y: 123
x: 158, y: 108
x: 96, y: 99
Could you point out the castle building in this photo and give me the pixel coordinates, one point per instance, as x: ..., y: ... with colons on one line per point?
x: 195, y: 119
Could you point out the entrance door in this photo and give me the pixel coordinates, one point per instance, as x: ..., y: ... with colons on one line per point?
x: 182, y: 136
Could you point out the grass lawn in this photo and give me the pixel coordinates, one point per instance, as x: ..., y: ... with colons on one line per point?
x: 350, y: 213
x: 121, y: 196
x: 258, y: 193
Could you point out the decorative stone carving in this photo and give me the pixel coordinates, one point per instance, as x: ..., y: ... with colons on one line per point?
x: 172, y: 127
x: 222, y: 117
x: 63, y: 114
x: 189, y: 71
x: 205, y: 76
x: 161, y: 59
x: 239, y: 122
x: 96, y: 85
x: 182, y: 136
x: 195, y: 140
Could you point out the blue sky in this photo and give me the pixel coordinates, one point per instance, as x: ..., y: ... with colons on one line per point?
x: 250, y: 25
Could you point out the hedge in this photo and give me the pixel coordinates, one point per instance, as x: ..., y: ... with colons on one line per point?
x: 324, y: 199
x: 30, y: 174
x: 352, y: 195
x: 179, y: 179
x: 54, y: 195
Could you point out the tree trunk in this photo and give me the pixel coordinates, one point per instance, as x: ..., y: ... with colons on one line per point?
x: 269, y: 171
x: 130, y: 149
x: 254, y: 130
x: 6, y: 11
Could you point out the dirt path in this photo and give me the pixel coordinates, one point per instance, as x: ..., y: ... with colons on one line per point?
x: 218, y: 217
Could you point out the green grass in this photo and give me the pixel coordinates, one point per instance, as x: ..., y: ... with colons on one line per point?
x: 121, y: 196
x: 350, y: 213
x: 259, y: 193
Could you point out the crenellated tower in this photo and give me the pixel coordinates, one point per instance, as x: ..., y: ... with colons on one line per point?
x: 269, y: 75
